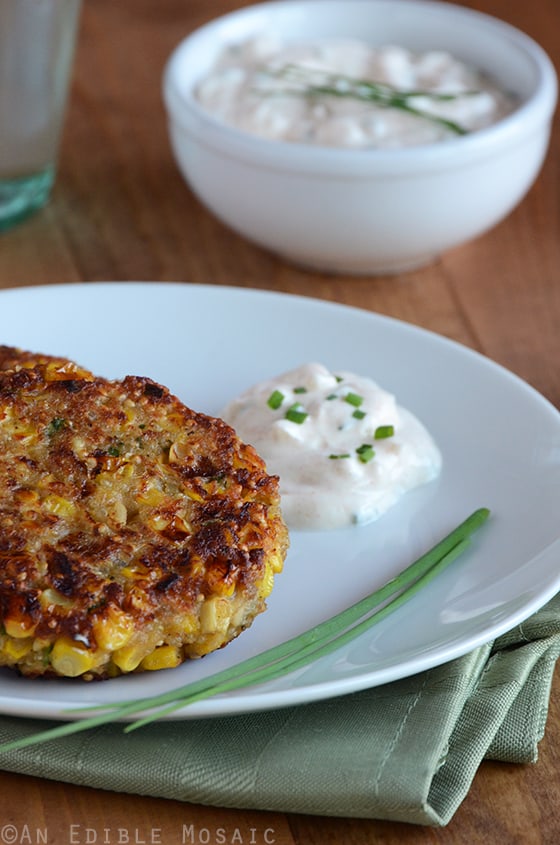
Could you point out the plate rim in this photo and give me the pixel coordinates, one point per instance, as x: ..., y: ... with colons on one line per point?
x: 265, y: 700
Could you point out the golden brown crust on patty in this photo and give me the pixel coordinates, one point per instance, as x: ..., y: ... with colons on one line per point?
x: 134, y: 532
x: 13, y: 358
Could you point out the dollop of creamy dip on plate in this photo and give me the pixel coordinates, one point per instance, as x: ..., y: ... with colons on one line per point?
x: 344, y: 450
x: 381, y: 97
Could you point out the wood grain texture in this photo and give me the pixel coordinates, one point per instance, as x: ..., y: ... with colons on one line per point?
x: 120, y: 211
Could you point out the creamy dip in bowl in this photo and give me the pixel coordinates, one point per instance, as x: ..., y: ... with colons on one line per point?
x: 363, y: 210
x: 346, y: 93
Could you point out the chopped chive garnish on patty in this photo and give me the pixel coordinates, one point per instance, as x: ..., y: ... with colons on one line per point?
x: 275, y: 400
x: 300, y: 390
x: 55, y: 425
x: 359, y: 415
x: 337, y: 457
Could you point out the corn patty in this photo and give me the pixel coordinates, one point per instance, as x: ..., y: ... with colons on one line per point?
x: 134, y: 532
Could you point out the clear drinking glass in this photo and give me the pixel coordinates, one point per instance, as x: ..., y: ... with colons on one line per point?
x: 37, y: 39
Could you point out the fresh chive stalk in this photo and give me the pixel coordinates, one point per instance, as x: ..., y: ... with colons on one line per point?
x: 286, y: 657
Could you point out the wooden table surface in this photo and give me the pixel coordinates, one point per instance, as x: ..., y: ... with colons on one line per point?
x: 120, y: 211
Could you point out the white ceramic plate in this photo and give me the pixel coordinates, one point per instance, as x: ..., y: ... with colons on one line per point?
x: 499, y: 438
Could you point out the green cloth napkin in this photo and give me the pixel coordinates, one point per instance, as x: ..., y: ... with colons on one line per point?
x: 406, y: 751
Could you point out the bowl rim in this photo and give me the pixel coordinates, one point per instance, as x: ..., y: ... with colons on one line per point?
x: 529, y: 117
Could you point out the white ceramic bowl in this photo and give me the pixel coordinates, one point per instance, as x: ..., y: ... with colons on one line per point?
x: 364, y: 211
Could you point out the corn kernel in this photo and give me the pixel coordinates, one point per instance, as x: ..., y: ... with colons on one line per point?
x: 238, y: 618
x: 129, y: 409
x: 225, y: 588
x: 16, y: 649
x: 41, y: 643
x: 197, y: 566
x: 158, y: 522
x: 19, y: 629
x: 129, y: 657
x: 126, y: 472
x: 277, y: 563
x: 70, y: 658
x: 267, y: 583
x: 151, y: 496
x: 113, y: 630
x: 6, y: 415
x: 62, y: 371
x: 59, y: 506
x: 214, y: 615
x: 194, y: 495
x: 180, y: 524
x: 138, y: 570
x: 50, y: 597
x: 208, y: 644
x: 164, y: 657
x: 178, y: 451
x: 24, y: 431
x: 118, y: 513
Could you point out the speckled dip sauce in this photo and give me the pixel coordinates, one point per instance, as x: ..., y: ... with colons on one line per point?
x: 344, y: 450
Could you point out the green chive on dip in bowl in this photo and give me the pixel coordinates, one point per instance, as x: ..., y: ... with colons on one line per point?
x: 359, y: 136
